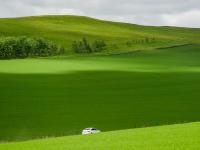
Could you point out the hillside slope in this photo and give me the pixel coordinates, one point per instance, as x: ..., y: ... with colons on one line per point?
x: 61, y: 96
x: 176, y: 137
x: 119, y: 36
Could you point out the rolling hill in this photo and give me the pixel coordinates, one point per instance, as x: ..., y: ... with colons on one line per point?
x: 60, y: 96
x: 176, y: 137
x: 119, y: 36
x: 147, y: 76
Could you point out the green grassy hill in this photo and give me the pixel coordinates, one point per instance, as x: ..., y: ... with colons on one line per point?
x: 62, y: 95
x: 174, y: 137
x: 119, y: 36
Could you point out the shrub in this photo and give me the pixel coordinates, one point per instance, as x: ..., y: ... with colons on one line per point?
x: 84, y: 46
x: 81, y: 46
x: 99, y: 46
x: 22, y: 47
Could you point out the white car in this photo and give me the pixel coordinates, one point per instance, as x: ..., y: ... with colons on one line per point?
x: 90, y: 131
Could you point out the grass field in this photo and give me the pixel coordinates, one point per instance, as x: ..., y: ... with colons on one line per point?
x: 175, y: 137
x: 65, y: 29
x: 62, y: 95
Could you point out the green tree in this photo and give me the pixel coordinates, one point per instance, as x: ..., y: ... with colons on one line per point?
x: 22, y: 47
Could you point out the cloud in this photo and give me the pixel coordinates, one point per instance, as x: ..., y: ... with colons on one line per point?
x: 186, y: 19
x: 148, y: 12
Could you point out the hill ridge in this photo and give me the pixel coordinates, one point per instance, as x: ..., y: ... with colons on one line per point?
x: 120, y: 37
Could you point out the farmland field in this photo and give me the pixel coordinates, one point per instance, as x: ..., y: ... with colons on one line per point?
x: 62, y: 95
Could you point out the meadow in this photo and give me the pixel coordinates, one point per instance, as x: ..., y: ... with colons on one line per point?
x: 176, y: 137
x: 119, y: 37
x: 58, y: 96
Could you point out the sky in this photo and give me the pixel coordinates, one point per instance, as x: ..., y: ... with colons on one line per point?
x: 185, y: 13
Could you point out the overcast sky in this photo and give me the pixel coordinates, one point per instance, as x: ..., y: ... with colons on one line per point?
x: 147, y: 12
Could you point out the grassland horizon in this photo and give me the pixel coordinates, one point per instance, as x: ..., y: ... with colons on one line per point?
x: 119, y: 37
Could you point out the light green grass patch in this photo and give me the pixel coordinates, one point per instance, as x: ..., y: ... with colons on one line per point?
x: 65, y: 29
x: 174, y: 137
x: 179, y: 59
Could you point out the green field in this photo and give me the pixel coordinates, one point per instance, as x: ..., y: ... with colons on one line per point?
x: 62, y: 95
x: 146, y: 76
x: 118, y: 36
x: 175, y: 137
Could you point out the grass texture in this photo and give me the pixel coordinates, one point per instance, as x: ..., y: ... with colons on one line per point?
x: 62, y: 95
x: 174, y: 137
x: 119, y: 37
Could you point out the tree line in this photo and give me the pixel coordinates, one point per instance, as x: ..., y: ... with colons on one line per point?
x: 22, y: 47
x: 83, y: 46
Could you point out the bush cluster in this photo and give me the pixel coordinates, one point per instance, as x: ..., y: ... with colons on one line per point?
x: 22, y: 47
x: 146, y: 40
x: 84, y: 46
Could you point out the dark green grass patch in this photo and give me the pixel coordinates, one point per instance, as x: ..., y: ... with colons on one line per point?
x: 33, y: 106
